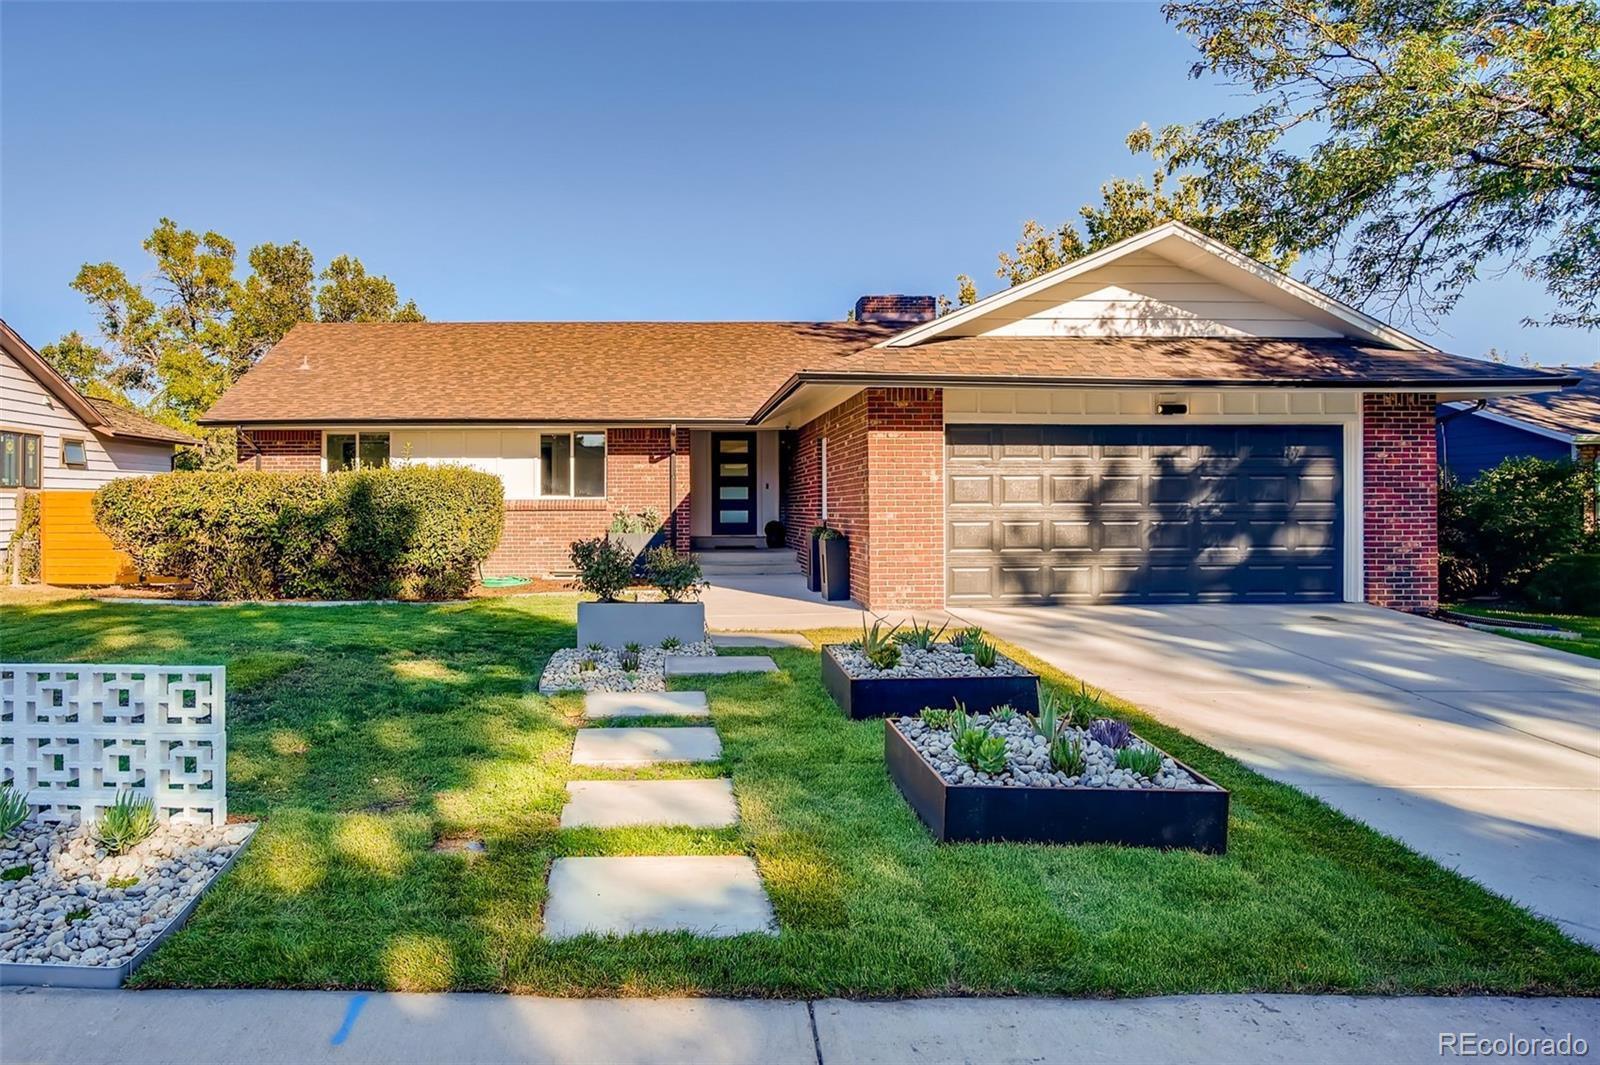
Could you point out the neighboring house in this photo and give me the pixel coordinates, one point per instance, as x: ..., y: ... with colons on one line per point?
x: 54, y: 437
x: 1480, y: 435
x: 1163, y: 420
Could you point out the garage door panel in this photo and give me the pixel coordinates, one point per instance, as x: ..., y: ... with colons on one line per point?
x: 1155, y: 513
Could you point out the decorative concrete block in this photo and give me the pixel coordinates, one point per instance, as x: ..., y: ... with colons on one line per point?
x: 80, y: 733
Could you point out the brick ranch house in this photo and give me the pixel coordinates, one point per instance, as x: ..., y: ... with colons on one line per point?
x: 1165, y: 420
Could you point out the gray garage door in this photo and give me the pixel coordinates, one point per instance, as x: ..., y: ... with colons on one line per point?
x: 1081, y: 514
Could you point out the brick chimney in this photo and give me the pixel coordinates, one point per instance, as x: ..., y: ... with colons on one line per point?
x: 895, y: 310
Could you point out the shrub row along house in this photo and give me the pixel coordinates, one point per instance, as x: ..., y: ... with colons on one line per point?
x: 1164, y: 420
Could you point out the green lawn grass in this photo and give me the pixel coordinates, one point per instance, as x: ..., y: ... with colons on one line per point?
x: 361, y: 735
x: 1587, y: 627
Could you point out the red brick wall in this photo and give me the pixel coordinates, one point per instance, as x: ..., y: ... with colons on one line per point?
x: 280, y: 450
x: 905, y: 497
x: 885, y: 492
x: 537, y: 531
x: 1399, y: 467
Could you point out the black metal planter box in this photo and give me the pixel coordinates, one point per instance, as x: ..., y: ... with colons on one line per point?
x: 866, y: 697
x: 1132, y: 817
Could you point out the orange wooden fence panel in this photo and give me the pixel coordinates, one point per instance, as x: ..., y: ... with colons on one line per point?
x: 72, y: 549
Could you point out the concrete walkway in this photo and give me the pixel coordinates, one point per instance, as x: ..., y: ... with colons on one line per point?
x: 780, y: 601
x: 306, y: 1027
x: 1480, y: 751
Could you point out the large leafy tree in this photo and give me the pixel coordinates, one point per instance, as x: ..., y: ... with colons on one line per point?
x: 1414, y: 143
x: 171, y: 345
x: 1129, y: 206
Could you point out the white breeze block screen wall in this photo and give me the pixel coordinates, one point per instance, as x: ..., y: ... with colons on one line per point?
x: 73, y: 736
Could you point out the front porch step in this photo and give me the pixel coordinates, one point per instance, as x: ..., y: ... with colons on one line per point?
x: 749, y: 562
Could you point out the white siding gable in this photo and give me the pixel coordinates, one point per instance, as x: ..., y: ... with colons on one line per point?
x: 1145, y: 294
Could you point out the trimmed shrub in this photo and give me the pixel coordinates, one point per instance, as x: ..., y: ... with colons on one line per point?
x: 1500, y: 529
x: 24, y: 544
x: 415, y: 532
x: 604, y: 567
x: 676, y: 576
x: 1568, y: 584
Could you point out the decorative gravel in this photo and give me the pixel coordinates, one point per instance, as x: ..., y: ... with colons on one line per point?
x: 66, y: 911
x: 563, y: 673
x: 1028, y: 758
x: 941, y: 660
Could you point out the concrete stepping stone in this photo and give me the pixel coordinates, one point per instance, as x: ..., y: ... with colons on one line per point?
x: 619, y: 803
x: 645, y: 704
x: 625, y: 747
x: 760, y: 639
x: 709, y: 896
x: 690, y: 665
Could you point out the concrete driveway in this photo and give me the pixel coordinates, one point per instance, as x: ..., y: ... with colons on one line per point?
x: 1480, y: 751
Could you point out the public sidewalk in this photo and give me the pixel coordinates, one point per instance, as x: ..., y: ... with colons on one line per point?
x: 307, y: 1027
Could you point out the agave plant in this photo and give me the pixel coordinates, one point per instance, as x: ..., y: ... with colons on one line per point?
x: 1003, y: 712
x: 1082, y: 707
x: 1047, y: 722
x: 671, y: 643
x: 879, y: 646
x: 965, y: 638
x: 1108, y: 732
x: 629, y: 661
x: 13, y: 808
x: 920, y: 637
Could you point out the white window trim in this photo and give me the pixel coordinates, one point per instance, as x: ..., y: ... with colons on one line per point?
x: 338, y: 431
x: 84, y: 444
x: 572, y: 458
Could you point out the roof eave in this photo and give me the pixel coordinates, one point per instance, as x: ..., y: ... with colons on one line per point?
x: 1441, y: 384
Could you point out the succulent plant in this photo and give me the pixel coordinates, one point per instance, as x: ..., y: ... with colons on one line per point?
x: 126, y: 821
x: 1108, y: 732
x: 671, y: 643
x: 984, y: 654
x: 586, y: 665
x: 629, y: 661
x: 981, y: 749
x: 1066, y: 755
x: 1145, y: 761
x: 921, y: 637
x: 936, y: 718
x: 1003, y: 712
x: 13, y: 807
x: 879, y: 646
x: 1047, y: 722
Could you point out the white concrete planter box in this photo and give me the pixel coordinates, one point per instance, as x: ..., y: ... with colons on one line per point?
x: 615, y: 625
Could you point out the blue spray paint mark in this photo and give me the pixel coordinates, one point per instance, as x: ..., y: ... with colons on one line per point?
x: 351, y: 1012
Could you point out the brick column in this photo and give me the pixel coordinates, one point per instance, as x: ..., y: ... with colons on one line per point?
x: 905, y: 498
x: 1400, y: 517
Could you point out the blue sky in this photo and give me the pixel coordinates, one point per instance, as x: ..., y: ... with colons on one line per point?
x: 608, y: 161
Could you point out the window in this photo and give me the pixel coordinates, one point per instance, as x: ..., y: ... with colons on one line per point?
x: 19, y: 460
x: 572, y: 465
x: 74, y: 455
x: 347, y: 451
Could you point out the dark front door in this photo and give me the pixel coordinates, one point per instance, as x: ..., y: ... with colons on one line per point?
x: 1105, y: 514
x: 733, y: 484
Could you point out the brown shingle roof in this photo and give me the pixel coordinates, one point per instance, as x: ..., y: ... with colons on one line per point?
x: 131, y: 424
x: 1574, y: 410
x: 532, y: 371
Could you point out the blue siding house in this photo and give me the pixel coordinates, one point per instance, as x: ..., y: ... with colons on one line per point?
x: 1474, y: 437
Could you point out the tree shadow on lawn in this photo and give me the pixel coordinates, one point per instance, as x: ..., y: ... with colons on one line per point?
x: 374, y: 733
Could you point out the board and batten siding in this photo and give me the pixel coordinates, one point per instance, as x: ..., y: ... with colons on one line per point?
x: 1146, y: 295
x: 27, y: 406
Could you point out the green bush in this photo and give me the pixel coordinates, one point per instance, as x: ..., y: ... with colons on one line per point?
x: 604, y: 567
x: 676, y: 576
x: 412, y: 532
x: 24, y: 545
x: 1506, y: 525
x: 1568, y: 584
